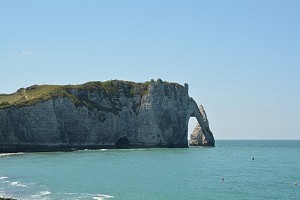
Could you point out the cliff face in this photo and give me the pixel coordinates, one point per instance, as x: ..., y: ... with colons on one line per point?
x: 122, y: 115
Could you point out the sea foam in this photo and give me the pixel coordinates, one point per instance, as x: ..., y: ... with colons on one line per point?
x: 42, y: 193
x: 10, y: 154
x: 102, y: 197
x: 17, y: 184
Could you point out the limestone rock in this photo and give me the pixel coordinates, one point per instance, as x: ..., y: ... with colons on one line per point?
x: 114, y: 114
x: 202, y: 136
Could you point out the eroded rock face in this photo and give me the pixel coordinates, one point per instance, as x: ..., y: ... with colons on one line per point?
x: 122, y: 119
x: 198, y: 138
x: 202, y: 136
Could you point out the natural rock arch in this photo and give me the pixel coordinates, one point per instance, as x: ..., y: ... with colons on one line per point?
x: 201, y: 136
x: 112, y: 114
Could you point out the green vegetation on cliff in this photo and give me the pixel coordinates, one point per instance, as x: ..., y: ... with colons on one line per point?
x: 37, y: 93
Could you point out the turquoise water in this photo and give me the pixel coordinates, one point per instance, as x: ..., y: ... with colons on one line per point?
x: 194, y: 173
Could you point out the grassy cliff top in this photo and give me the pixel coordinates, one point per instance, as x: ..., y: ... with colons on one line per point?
x: 36, y: 93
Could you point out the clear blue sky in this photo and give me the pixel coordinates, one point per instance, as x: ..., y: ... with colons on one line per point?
x: 240, y: 58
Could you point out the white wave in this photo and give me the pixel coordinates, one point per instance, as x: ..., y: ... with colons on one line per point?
x: 85, y: 195
x: 3, y: 177
x: 132, y: 149
x: 92, y: 150
x: 42, y: 193
x: 98, y: 149
x: 102, y: 197
x: 10, y: 154
x: 17, y: 184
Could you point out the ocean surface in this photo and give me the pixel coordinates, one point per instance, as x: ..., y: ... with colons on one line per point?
x: 232, y: 170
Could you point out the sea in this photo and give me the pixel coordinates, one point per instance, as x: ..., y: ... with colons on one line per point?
x: 232, y: 170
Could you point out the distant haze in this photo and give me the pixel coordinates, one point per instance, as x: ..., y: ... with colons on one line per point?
x: 240, y: 58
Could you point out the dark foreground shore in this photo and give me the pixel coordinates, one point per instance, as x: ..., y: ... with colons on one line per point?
x: 3, y: 198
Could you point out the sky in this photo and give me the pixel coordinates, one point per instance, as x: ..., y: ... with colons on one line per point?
x: 241, y: 59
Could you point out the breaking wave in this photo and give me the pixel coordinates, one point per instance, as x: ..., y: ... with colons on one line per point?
x: 102, y: 197
x: 10, y: 154
x: 17, y: 184
x: 42, y: 194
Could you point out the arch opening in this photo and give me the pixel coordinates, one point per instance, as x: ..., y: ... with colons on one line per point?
x: 191, y: 126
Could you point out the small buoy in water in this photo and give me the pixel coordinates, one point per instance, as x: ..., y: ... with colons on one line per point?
x: 222, y: 178
x: 252, y: 158
x: 295, y: 183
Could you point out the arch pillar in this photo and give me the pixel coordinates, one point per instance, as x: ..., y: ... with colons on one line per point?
x: 202, y: 135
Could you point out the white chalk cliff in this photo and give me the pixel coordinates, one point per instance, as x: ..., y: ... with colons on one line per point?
x: 120, y: 115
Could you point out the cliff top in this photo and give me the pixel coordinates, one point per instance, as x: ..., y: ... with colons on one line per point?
x: 36, y: 93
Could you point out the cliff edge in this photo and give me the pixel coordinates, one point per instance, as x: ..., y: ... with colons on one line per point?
x: 112, y: 114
